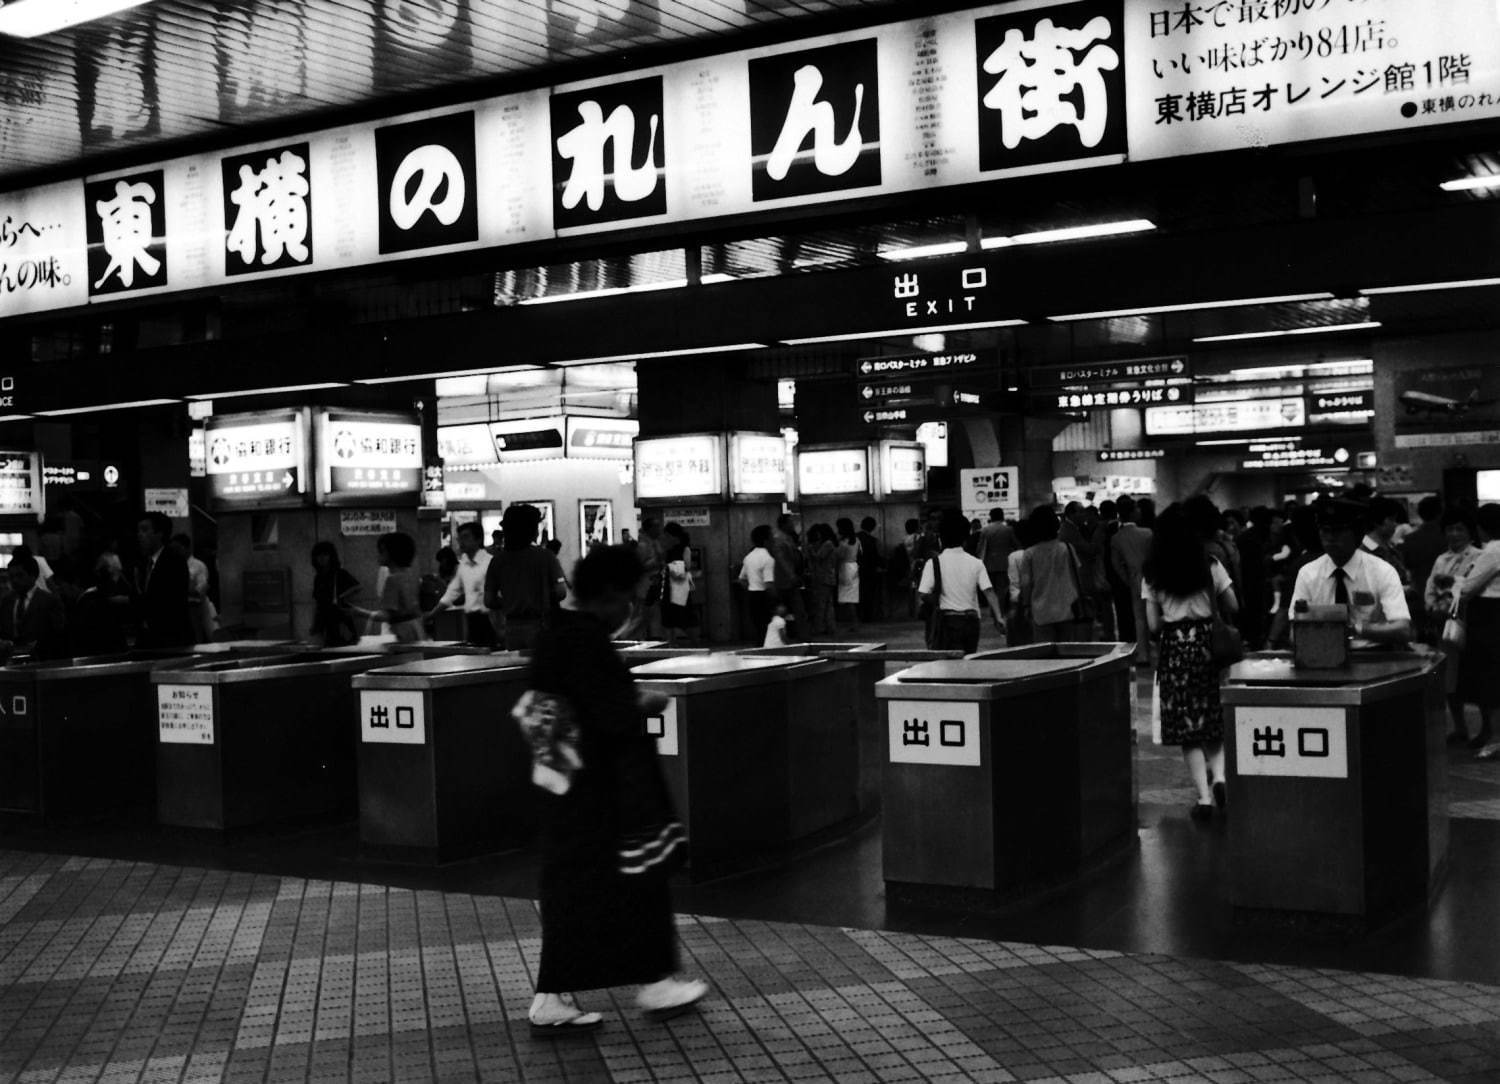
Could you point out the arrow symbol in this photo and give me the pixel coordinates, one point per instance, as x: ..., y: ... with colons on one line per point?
x: 865, y: 368
x: 288, y: 480
x: 867, y: 391
x: 869, y: 416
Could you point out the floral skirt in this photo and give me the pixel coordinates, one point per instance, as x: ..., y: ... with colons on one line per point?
x: 1191, y: 713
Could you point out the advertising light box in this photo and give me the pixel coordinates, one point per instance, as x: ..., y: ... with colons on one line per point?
x: 466, y: 445
x: 757, y: 466
x: 678, y: 468
x: 601, y: 438
x: 1237, y: 416
x: 528, y: 439
x: 834, y: 472
x: 369, y: 458
x: 21, y: 486
x: 903, y: 469
x: 258, y: 460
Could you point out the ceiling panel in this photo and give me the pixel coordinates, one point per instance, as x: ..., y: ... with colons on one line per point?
x: 179, y: 70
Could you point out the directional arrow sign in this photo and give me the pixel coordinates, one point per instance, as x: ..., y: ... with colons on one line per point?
x: 869, y: 393
x: 288, y: 480
x: 890, y: 416
x: 920, y: 365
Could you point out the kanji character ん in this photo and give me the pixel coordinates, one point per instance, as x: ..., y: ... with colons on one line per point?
x: 832, y: 156
x: 126, y: 222
x: 273, y: 209
x: 1041, y: 76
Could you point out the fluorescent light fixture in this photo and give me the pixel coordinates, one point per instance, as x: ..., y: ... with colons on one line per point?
x: 1326, y: 330
x: 446, y: 373
x: 107, y: 406
x: 922, y: 252
x: 728, y: 348
x: 1071, y: 233
x: 1421, y: 287
x: 1237, y: 440
x: 34, y: 18
x: 268, y: 391
x: 1469, y: 184
x: 716, y: 277
x: 609, y: 291
x: 1150, y: 310
x: 1347, y: 367
x: 852, y: 336
x: 14, y: 417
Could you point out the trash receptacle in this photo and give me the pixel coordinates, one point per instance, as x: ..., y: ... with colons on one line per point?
x: 1338, y: 785
x: 77, y: 736
x: 444, y: 772
x: 1010, y: 773
x: 250, y: 741
x: 756, y: 753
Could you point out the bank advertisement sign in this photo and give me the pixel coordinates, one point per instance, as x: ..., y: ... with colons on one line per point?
x: 674, y: 468
x: 369, y: 458
x: 21, y: 485
x: 260, y: 460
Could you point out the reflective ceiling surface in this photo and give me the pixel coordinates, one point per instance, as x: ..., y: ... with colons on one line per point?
x: 179, y: 70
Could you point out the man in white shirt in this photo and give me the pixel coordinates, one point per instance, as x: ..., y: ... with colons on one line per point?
x: 758, y: 576
x: 1348, y: 574
x: 467, y: 587
x: 964, y: 581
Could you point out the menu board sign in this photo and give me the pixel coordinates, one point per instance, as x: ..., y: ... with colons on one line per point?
x: 21, y: 485
x: 674, y: 468
x: 834, y: 472
x: 258, y: 460
x: 601, y: 438
x: 903, y: 469
x: 757, y: 466
x: 1236, y: 416
x: 368, y: 458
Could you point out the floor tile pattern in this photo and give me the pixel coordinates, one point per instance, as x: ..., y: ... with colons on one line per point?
x: 130, y: 971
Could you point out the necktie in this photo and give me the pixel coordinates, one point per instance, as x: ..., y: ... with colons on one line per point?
x: 20, y: 613
x: 1340, y: 587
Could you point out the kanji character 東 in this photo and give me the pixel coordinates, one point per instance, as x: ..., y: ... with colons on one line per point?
x: 126, y: 221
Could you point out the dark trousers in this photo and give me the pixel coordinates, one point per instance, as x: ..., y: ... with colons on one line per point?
x: 479, y: 630
x: 760, y: 603
x: 956, y: 632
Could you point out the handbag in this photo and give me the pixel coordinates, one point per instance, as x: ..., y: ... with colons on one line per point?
x: 1455, y: 629
x: 551, y: 730
x: 931, y: 602
x: 1225, y: 645
x: 1084, y: 608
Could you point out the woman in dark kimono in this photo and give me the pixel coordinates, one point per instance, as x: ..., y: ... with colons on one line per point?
x: 610, y: 841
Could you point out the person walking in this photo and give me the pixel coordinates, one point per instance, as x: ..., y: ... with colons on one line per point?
x: 786, y: 548
x: 1449, y: 569
x: 525, y: 583
x: 678, y: 617
x: 1182, y: 588
x: 465, y: 589
x: 847, y: 601
x: 997, y: 540
x: 871, y: 572
x: 1049, y: 579
x: 1128, y: 552
x: 400, y: 605
x: 959, y: 580
x: 333, y: 590
x: 610, y: 840
x: 823, y: 578
x: 161, y: 586
x: 758, y: 577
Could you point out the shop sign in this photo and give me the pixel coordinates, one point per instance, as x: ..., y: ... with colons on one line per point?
x: 366, y: 524
x: 392, y: 717
x: 990, y: 487
x: 466, y: 445
x: 829, y: 472
x: 663, y: 727
x: 1111, y: 373
x: 257, y: 459
x: 528, y: 439
x: 1294, y: 457
x: 903, y: 469
x: 911, y: 367
x: 1341, y: 408
x: 365, y: 456
x: 172, y: 503
x: 1236, y: 416
x: 1291, y: 741
x: 1115, y: 399
x: 601, y: 438
x: 677, y: 467
x: 21, y: 484
x: 43, y: 250
x: 462, y: 492
x: 185, y: 714
x: 1216, y: 76
x: 83, y: 474
x: 934, y: 732
x: 1447, y: 440
x: 1124, y: 455
x: 1447, y: 397
x: 757, y: 465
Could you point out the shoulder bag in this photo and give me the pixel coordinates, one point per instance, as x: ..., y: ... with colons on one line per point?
x: 1455, y: 629
x: 933, y: 602
x: 1225, y: 645
x: 551, y: 730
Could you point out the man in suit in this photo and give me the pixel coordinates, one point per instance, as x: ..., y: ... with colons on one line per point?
x: 161, y: 586
x: 32, y: 621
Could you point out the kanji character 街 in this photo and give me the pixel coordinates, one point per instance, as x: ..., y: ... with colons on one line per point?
x: 1039, y: 76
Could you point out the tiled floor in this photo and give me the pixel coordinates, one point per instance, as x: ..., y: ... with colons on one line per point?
x: 122, y: 971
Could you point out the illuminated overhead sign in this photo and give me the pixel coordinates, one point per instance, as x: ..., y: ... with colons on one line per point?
x: 466, y: 445
x: 757, y: 466
x: 21, y: 485
x: 1237, y: 416
x: 1295, y: 457
x: 528, y: 439
x: 368, y: 458
x: 258, y: 460
x: 834, y: 472
x: 1116, y: 398
x: 601, y: 438
x: 903, y: 469
x: 672, y: 468
x: 1122, y: 455
x: 1111, y: 373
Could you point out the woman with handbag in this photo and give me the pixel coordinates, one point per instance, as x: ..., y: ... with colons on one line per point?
x: 1478, y: 597
x: 610, y: 839
x: 1186, y: 595
x: 400, y: 606
x: 1049, y: 579
x: 1445, y: 620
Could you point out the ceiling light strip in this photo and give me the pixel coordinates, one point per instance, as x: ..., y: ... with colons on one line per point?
x: 922, y: 252
x: 286, y: 390
x: 1152, y: 310
x: 406, y: 378
x: 685, y: 352
x: 608, y: 291
x: 852, y: 336
x: 1421, y: 287
x: 107, y: 406
x: 1469, y: 184
x: 1368, y: 325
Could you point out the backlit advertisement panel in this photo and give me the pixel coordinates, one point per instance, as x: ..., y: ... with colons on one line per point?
x: 260, y: 460
x: 679, y: 468
x: 369, y: 458
x: 834, y: 472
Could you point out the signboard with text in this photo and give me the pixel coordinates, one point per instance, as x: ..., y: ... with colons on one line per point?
x: 679, y: 468
x: 903, y: 469
x: 1111, y: 373
x: 1235, y: 416
x: 834, y: 472
x: 601, y: 438
x: 259, y: 460
x: 757, y: 466
x: 21, y: 485
x: 369, y: 458
x: 528, y: 439
x: 990, y: 487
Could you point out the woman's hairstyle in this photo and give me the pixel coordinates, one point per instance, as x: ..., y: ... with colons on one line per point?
x: 607, y: 569
x: 329, y: 550
x: 520, y: 522
x: 913, y: 526
x: 1488, y: 518
x: 400, y: 547
x: 677, y: 531
x: 445, y: 558
x: 1204, y: 515
x: 1178, y: 562
x: 1461, y: 517
x: 845, y: 527
x: 1043, y: 523
x: 1146, y: 509
x: 761, y: 536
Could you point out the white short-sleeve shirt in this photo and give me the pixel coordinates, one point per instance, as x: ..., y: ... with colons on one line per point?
x: 964, y: 579
x: 759, y: 570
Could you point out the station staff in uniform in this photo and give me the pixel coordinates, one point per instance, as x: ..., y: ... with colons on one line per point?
x: 1351, y: 575
x: 467, y: 587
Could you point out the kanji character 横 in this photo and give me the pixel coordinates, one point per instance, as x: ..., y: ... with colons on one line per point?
x: 1040, y: 76
x: 273, y: 207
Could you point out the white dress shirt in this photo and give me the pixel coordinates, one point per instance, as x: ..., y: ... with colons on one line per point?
x: 1375, y: 591
x: 965, y: 579
x: 1487, y: 564
x: 468, y: 583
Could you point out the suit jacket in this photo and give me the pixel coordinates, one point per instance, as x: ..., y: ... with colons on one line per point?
x: 43, y: 627
x: 162, y: 602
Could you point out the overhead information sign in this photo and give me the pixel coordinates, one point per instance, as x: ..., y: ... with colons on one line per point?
x: 21, y: 485
x: 369, y: 458
x: 1122, y: 455
x: 466, y: 445
x: 258, y: 460
x: 669, y: 468
x: 528, y: 439
x: 1236, y: 416
x: 757, y: 466
x: 601, y: 438
x: 1116, y: 398
x: 1277, y: 457
x: 1111, y: 373
x: 828, y: 472
x: 903, y: 469
x: 921, y: 366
